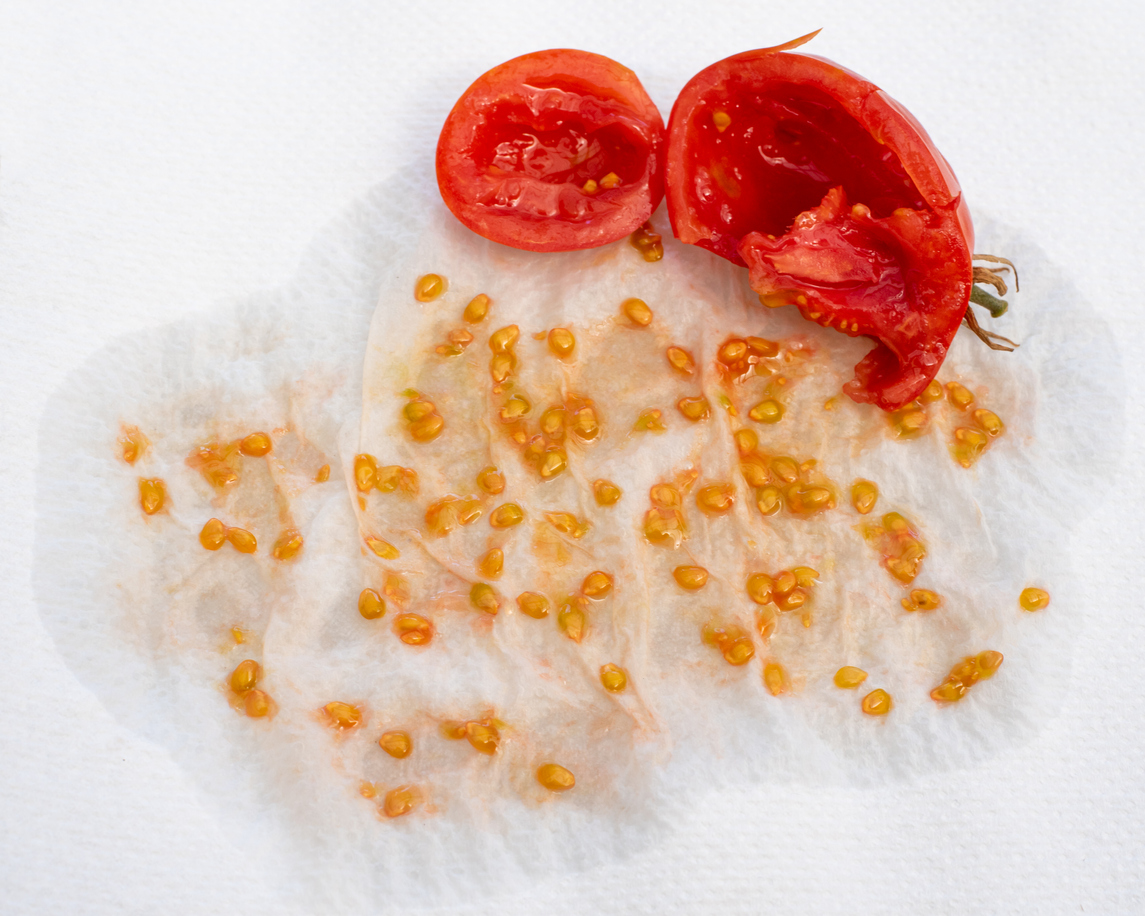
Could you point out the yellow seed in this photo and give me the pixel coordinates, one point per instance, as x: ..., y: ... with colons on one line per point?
x: 606, y: 492
x: 220, y: 465
x: 722, y: 120
x: 554, y: 462
x: 648, y: 242
x: 533, y: 604
x: 383, y: 549
x: 695, y: 409
x: 988, y: 422
x: 323, y: 474
x: 442, y: 516
x: 849, y: 677
x: 637, y: 311
x: 371, y: 605
x: 134, y: 443
x: 613, y: 678
x: 506, y: 516
x: 681, y: 360
x: 933, y: 392
x: 785, y: 469
x: 755, y: 471
x: 501, y: 366
x: 650, y: 420
x: 427, y: 428
x: 366, y: 469
x: 596, y: 584
x: 950, y: 691
x: 959, y: 395
x: 477, y: 309
x: 567, y: 523
x: 922, y: 599
x: 152, y: 494
x: 768, y: 500
x: 988, y: 663
x: 342, y: 715
x: 555, y: 777
x: 491, y: 480
x: 738, y: 651
x: 877, y: 703
x: 610, y: 181
x: 864, y: 495
x: 716, y: 499
x: 394, y: 477
x: 785, y: 582
x: 396, y: 588
x: 401, y: 800
x: 417, y: 408
x: 413, y: 629
x: 968, y: 445
x: 664, y: 527
x: 245, y: 676
x: 238, y: 636
x: 515, y: 408
x: 492, y: 563
x: 760, y: 588
x: 805, y: 500
x: 242, y: 540
x: 553, y: 422
x: 767, y: 411
x: 691, y: 578
x: 589, y: 187
x: 1033, y: 599
x: 765, y: 621
x: 255, y: 445
x: 562, y: 342
x: 910, y: 422
x: 732, y: 352
x: 665, y: 496
x: 792, y: 600
x: 775, y: 678
x: 288, y: 545
x: 256, y: 704
x: 367, y: 790
x: 484, y: 737
x: 396, y: 744
x: 747, y: 441
x: 761, y: 347
x: 571, y: 619
x: 585, y: 424
x: 483, y: 597
x: 805, y: 576
x: 429, y: 287
x: 503, y: 340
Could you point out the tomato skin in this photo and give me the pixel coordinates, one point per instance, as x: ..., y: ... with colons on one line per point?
x: 837, y: 202
x: 519, y: 145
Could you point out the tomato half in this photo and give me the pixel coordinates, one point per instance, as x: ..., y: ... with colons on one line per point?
x: 553, y: 151
x: 837, y: 201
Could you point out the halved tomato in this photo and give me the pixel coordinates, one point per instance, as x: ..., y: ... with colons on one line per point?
x: 835, y: 198
x: 553, y: 151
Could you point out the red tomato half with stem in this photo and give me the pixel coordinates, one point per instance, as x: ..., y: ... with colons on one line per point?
x: 553, y: 151
x: 835, y: 199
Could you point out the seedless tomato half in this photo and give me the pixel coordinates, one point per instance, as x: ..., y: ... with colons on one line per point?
x: 837, y: 201
x: 553, y: 151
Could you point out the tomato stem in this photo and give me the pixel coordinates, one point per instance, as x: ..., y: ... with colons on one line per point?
x: 995, y: 306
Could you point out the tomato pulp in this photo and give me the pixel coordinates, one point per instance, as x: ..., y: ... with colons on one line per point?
x: 553, y: 151
x: 836, y: 200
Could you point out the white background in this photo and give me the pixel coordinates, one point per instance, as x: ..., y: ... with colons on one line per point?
x: 158, y: 160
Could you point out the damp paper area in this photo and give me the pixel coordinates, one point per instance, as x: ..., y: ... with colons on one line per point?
x: 144, y: 615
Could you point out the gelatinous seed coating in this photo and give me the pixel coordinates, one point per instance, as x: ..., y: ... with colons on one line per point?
x: 413, y: 629
x: 571, y: 619
x: 768, y: 500
x: 732, y: 641
x: 323, y: 474
x: 922, y: 599
x: 245, y: 676
x: 849, y: 677
x: 152, y: 494
x: 242, y: 540
x: 651, y: 420
x: 695, y: 409
x: 342, y: 715
x: 596, y: 584
x: 396, y: 744
x: 568, y: 524
x: 220, y: 464
x: 492, y: 563
x: 959, y: 395
x: 988, y: 422
x: 637, y: 311
x: 506, y: 516
x: 238, y: 636
x: 966, y: 674
x: 585, y: 425
x: 255, y: 445
x: 555, y: 777
x: 365, y: 472
x: 747, y: 441
x: 381, y: 548
x: 533, y: 604
x: 515, y: 408
x: 665, y: 496
x: 503, y: 339
x: 767, y: 411
x: 484, y: 737
x: 371, y: 605
x: 775, y: 678
x: 429, y: 287
x: 477, y: 309
x: 554, y: 462
x: 932, y: 392
x: 910, y: 422
x: 396, y: 588
x: 647, y: 242
x: 613, y: 678
x: 968, y: 445
x: 256, y: 704
x: 681, y: 360
x: 400, y: 801
x: 665, y: 527
x: 877, y: 702
x: 901, y: 549
x: 393, y: 477
x: 692, y: 578
x: 288, y: 545
x: 864, y: 495
x: 501, y: 366
x: 716, y: 499
x: 553, y: 422
x: 427, y: 428
x: 1033, y: 599
x: 606, y: 492
x: 484, y: 597
x: 442, y: 516
x: 562, y: 342
x: 491, y: 480
x: 759, y: 588
x: 213, y: 535
x: 134, y: 444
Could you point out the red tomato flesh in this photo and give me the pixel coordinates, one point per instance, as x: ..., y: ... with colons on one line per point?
x: 836, y: 200
x: 521, y: 150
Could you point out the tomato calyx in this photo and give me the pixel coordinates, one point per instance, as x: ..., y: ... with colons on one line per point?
x: 991, y: 276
